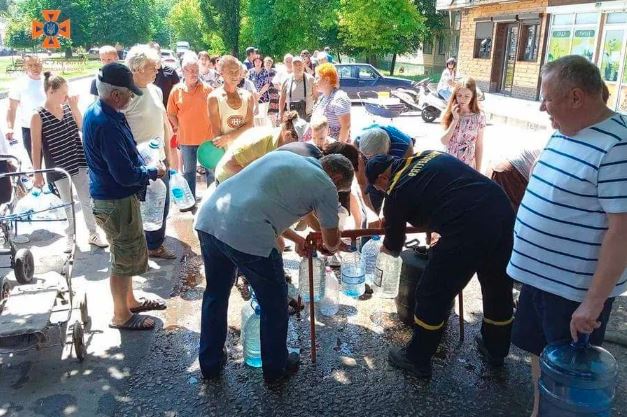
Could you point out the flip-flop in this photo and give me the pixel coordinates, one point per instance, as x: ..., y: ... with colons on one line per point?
x: 136, y: 322
x: 149, y: 305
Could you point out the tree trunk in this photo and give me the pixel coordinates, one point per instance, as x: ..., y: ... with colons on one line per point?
x: 68, y: 52
x: 393, y: 64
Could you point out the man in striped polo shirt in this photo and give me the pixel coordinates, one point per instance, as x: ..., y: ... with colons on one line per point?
x: 570, y: 237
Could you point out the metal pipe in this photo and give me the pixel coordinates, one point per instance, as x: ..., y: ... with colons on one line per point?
x: 312, y: 308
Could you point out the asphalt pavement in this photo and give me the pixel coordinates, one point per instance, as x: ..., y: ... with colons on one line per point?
x: 156, y: 373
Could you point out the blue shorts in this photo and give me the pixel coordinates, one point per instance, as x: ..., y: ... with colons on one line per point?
x: 543, y: 318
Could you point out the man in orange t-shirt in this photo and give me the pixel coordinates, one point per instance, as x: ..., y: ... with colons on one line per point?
x: 187, y: 110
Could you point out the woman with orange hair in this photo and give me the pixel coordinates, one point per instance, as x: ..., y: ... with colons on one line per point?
x: 464, y: 123
x: 333, y: 103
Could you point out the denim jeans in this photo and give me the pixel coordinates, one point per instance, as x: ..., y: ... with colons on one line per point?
x: 155, y: 238
x: 266, y: 277
x: 188, y: 152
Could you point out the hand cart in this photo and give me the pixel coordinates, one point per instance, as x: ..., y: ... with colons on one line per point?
x: 312, y: 242
x: 35, y: 315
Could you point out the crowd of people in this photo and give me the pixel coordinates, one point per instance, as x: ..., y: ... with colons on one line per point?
x: 564, y: 240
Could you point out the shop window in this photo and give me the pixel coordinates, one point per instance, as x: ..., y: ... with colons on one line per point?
x: 616, y: 18
x: 563, y: 19
x: 483, y: 40
x: 530, y: 37
x: 427, y: 48
x: 587, y: 19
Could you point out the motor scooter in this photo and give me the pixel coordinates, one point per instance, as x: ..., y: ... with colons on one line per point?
x: 431, y: 103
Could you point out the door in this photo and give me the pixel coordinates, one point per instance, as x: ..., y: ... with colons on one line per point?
x: 509, y: 58
x: 612, y: 66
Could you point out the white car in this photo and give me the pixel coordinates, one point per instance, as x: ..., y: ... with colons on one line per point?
x: 168, y: 58
x: 182, y: 47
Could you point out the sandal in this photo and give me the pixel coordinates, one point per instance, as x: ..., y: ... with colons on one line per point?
x: 148, y: 305
x: 136, y: 322
x: 292, y: 306
x: 162, y: 252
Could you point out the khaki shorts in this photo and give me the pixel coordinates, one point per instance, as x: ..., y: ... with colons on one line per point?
x: 122, y: 223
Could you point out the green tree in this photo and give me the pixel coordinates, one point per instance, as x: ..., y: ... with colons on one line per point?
x: 187, y: 23
x: 380, y: 27
x: 226, y: 17
x: 93, y: 22
x: 160, y: 28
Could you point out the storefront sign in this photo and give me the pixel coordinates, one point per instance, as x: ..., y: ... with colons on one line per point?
x: 561, y: 34
x: 584, y: 33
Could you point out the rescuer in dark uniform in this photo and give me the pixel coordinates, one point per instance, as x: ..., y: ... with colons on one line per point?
x: 472, y: 214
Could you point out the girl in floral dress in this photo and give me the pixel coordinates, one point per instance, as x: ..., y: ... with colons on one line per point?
x: 464, y: 123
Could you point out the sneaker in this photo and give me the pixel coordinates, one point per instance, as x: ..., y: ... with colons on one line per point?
x: 397, y: 357
x: 94, y: 239
x: 293, y: 363
x: 483, y: 350
x: 217, y: 370
x: 162, y: 252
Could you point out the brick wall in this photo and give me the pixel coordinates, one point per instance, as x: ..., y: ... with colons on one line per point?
x: 526, y: 75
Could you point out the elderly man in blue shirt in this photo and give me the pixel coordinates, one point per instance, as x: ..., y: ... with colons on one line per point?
x: 117, y: 173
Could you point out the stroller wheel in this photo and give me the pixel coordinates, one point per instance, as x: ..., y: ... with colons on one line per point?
x: 24, y: 266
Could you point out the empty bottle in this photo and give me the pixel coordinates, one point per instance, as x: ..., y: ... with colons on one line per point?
x: 577, y: 380
x: 318, y: 278
x: 353, y: 274
x: 153, y: 206
x: 369, y: 253
x: 331, y: 301
x: 180, y: 191
x: 387, y: 275
x: 54, y: 207
x: 27, y: 183
x: 251, y: 333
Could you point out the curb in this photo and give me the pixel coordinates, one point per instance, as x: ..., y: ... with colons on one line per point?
x: 5, y: 94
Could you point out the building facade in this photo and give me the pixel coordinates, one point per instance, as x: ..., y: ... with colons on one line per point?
x: 503, y: 45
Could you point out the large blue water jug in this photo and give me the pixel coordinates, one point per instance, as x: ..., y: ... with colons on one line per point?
x: 577, y: 380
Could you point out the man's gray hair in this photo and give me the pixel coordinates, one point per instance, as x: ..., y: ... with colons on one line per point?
x: 373, y: 142
x: 189, y: 58
x: 107, y: 50
x: 141, y: 55
x: 105, y: 89
x: 288, y: 56
x: 576, y: 71
x: 339, y: 164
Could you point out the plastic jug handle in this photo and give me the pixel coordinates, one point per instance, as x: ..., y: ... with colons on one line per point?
x: 583, y: 341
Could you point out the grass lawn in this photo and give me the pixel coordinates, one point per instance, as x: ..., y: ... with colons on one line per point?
x: 6, y: 78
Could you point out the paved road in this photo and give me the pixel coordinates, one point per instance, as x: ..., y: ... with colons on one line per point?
x: 156, y: 373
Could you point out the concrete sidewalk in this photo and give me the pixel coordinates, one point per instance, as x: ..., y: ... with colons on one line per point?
x: 516, y: 112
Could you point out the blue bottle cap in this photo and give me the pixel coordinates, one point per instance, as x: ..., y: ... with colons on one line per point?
x: 154, y: 143
x: 36, y: 192
x: 172, y: 171
x: 376, y: 237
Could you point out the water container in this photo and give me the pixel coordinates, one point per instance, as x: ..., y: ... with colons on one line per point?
x: 353, y: 274
x: 49, y: 206
x: 369, y: 253
x: 153, y: 205
x: 318, y: 278
x: 180, y: 191
x: 577, y: 380
x: 26, y: 182
x: 149, y: 151
x: 387, y: 275
x: 331, y: 301
x: 250, y: 333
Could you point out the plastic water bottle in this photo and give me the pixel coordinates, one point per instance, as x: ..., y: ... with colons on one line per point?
x: 318, y: 278
x: 149, y: 151
x: 251, y: 333
x: 26, y: 182
x: 577, y: 380
x: 38, y: 205
x: 369, y: 253
x: 180, y: 192
x: 387, y: 275
x: 153, y: 206
x: 353, y: 274
x: 330, y: 304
